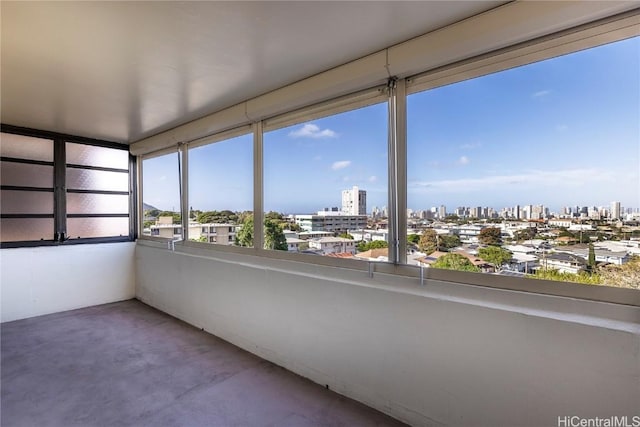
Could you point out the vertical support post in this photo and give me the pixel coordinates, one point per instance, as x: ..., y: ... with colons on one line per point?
x: 183, y: 151
x: 391, y: 144
x: 60, y: 190
x: 135, y: 211
x: 140, y: 197
x: 258, y: 187
x: 401, y: 169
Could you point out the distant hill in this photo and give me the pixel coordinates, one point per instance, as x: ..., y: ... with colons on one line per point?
x: 146, y: 207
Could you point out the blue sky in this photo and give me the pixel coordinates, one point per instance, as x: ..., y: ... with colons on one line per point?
x: 565, y: 131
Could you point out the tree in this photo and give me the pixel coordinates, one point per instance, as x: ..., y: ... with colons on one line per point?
x: 346, y: 236
x: 376, y: 244
x: 448, y: 241
x: 413, y: 238
x: 552, y: 274
x: 428, y: 241
x: 591, y: 262
x: 490, y: 236
x: 455, y: 261
x: 273, y: 236
x: 244, y: 236
x: 495, y: 256
x: 525, y: 234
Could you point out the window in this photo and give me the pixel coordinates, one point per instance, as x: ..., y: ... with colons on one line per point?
x: 98, y: 199
x: 27, y: 171
x: 532, y: 171
x: 36, y: 169
x: 325, y: 184
x: 161, y: 196
x: 221, y: 189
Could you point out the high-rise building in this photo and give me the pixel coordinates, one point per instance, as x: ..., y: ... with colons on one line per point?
x: 615, y: 210
x: 354, y: 201
x: 442, y: 211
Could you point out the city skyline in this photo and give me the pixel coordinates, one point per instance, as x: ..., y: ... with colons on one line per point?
x: 561, y: 132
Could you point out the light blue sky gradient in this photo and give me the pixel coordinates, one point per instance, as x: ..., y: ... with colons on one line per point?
x: 561, y: 132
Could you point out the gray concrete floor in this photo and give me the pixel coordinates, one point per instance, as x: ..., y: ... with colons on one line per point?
x: 127, y: 364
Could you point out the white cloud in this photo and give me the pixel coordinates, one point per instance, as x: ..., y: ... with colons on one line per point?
x: 341, y: 164
x: 471, y: 146
x: 373, y: 178
x: 535, y: 179
x: 311, y: 130
x: 540, y: 93
x: 464, y: 160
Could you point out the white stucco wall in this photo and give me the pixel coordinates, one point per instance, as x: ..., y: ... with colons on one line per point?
x: 43, y: 280
x: 439, y: 355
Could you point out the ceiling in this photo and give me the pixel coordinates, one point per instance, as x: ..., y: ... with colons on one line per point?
x: 123, y: 71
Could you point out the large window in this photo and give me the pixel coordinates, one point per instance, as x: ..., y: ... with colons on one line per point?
x: 221, y: 191
x: 98, y: 200
x: 325, y: 185
x: 27, y: 188
x: 531, y: 172
x: 161, y: 196
x: 58, y: 189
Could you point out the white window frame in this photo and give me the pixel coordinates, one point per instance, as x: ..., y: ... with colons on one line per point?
x: 585, y: 36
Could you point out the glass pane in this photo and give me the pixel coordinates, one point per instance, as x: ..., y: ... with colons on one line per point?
x: 91, y: 155
x: 26, y: 229
x: 82, y: 203
x: 26, y: 147
x: 220, y: 189
x: 87, y: 179
x: 97, y: 227
x: 325, y: 185
x: 26, y: 175
x: 27, y: 202
x: 160, y: 195
x: 531, y: 172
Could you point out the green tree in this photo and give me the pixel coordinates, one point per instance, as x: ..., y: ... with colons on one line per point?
x: 552, y: 274
x: 591, y: 262
x: 495, y: 256
x: 413, y: 238
x: 448, y: 241
x: 428, y: 241
x: 376, y: 244
x: 346, y: 236
x: 525, y: 234
x: 490, y: 236
x: 273, y: 236
x: 455, y: 261
x: 244, y: 236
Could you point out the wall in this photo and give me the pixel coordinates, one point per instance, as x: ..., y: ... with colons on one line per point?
x: 442, y: 354
x: 42, y: 280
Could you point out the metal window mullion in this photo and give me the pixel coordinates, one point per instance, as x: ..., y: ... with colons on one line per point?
x: 401, y: 169
x: 392, y: 178
x: 139, y: 204
x: 133, y: 190
x: 184, y: 196
x: 60, y: 190
x: 258, y: 187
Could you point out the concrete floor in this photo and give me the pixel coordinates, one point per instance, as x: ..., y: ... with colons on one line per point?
x: 127, y: 364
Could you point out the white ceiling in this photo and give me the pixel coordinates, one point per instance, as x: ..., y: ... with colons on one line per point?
x: 123, y: 71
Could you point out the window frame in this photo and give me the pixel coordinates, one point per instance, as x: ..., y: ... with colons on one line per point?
x: 582, y: 37
x: 59, y: 163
